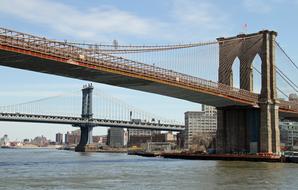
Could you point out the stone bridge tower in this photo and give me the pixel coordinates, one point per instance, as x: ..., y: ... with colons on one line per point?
x: 247, y: 129
x: 86, y: 129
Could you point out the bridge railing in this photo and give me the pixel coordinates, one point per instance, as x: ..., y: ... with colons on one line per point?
x: 75, y: 55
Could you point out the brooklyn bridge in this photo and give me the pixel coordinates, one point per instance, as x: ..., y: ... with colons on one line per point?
x: 200, y: 72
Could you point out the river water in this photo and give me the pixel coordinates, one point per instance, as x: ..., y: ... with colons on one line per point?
x: 56, y: 169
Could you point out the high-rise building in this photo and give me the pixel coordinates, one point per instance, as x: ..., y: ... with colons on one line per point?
x: 141, y: 132
x: 66, y: 138
x: 59, y: 138
x: 40, y: 141
x: 73, y: 137
x: 199, y: 122
x: 289, y: 134
x: 101, y: 139
x: 209, y: 110
x: 136, y: 137
x: 116, y: 137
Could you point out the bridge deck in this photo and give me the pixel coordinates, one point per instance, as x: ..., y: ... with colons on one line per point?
x: 18, y: 117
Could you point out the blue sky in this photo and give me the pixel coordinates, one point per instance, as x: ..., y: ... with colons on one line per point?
x: 136, y: 22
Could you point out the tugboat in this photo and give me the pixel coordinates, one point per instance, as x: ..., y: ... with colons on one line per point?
x: 5, y: 145
x: 4, y: 142
x: 291, y: 156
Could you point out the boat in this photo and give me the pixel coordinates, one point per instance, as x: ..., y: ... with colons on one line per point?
x: 291, y: 156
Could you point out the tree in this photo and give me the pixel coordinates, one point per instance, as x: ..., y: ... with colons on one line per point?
x: 201, y: 142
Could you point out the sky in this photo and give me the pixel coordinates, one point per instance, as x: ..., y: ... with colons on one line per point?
x: 130, y: 22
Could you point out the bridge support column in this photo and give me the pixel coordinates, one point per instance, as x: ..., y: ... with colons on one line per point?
x: 248, y: 129
x: 275, y: 129
x: 221, y: 132
x: 86, y: 139
x: 265, y: 129
x: 86, y: 129
x: 237, y: 130
x: 269, y: 129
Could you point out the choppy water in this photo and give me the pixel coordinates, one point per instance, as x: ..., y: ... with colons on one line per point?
x: 53, y: 169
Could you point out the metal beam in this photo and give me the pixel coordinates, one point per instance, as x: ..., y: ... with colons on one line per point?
x: 78, y: 121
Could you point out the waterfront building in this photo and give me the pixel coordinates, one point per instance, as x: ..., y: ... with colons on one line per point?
x: 59, y: 138
x: 180, y: 139
x: 140, y: 132
x: 159, y: 146
x: 100, y: 139
x: 73, y: 137
x: 138, y: 140
x: 199, y: 122
x: 210, y: 111
x: 40, y: 141
x: 289, y: 135
x: 66, y: 138
x: 116, y: 137
x: 140, y: 136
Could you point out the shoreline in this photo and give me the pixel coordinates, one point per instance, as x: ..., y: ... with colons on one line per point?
x: 30, y: 147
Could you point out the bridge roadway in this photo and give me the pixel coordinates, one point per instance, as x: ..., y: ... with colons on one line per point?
x: 24, y: 51
x: 32, y: 118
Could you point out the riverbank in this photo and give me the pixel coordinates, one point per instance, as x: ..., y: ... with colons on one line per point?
x: 31, y: 146
x: 98, y: 150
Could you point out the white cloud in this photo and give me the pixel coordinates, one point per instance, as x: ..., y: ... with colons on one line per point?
x: 202, y: 14
x: 199, y: 20
x: 105, y: 22
x: 86, y: 24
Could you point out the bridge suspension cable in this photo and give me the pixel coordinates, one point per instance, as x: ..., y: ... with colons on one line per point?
x: 110, y: 107
x: 289, y: 58
x: 278, y: 89
x: 115, y: 48
x: 286, y: 71
x: 105, y: 106
x: 125, y: 49
x: 61, y: 104
x: 287, y: 79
